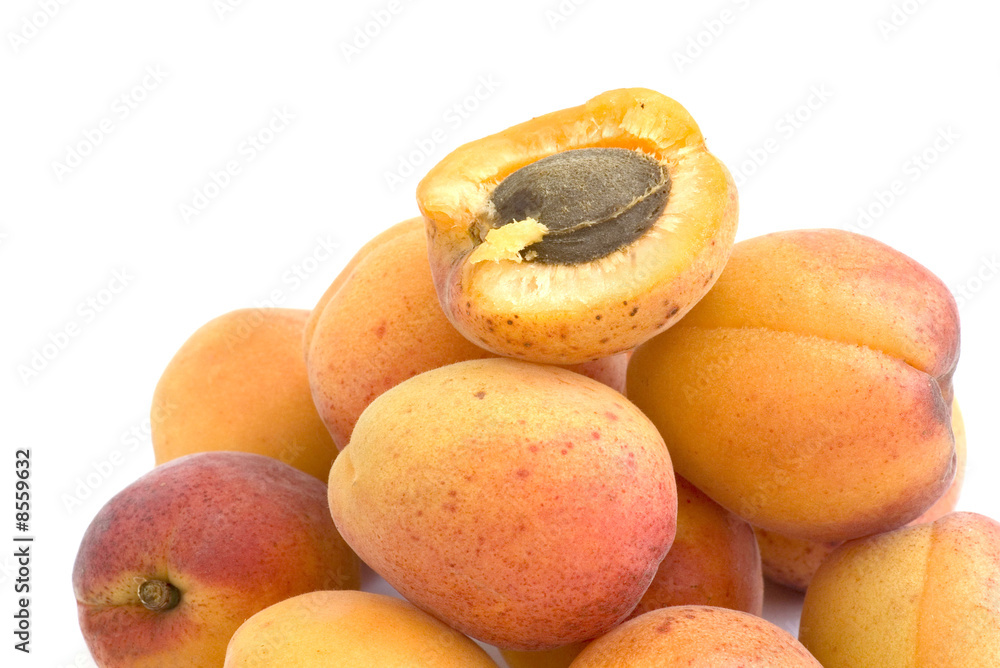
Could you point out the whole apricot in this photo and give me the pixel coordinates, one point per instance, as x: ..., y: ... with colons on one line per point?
x: 792, y: 562
x: 810, y: 391
x: 174, y: 563
x: 526, y: 506
x: 696, y: 636
x: 713, y: 561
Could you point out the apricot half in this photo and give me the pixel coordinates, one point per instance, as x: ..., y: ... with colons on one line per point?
x: 580, y: 233
x: 810, y: 391
x: 526, y: 506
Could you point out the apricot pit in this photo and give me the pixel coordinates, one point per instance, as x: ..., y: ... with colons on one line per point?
x: 590, y: 201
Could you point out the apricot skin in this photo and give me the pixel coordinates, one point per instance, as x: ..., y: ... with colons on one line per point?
x: 239, y: 383
x: 560, y: 657
x: 526, y: 506
x: 809, y: 392
x: 792, y: 562
x: 233, y: 531
x: 713, y: 561
x: 380, y: 323
x: 348, y: 629
x: 696, y: 636
x: 918, y: 597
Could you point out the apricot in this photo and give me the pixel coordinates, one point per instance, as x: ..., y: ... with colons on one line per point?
x: 713, y: 561
x: 174, y: 563
x: 696, y: 636
x: 792, y: 562
x: 348, y: 629
x: 526, y: 506
x: 581, y: 233
x: 809, y: 392
x: 380, y: 323
x: 920, y: 596
x: 239, y: 383
x: 379, y: 239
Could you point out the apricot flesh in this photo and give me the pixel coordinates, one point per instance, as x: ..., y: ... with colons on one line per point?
x: 637, y: 247
x: 920, y: 596
x: 526, y: 506
x: 809, y: 392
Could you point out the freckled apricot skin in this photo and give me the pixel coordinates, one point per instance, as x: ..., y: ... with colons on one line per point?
x: 792, y: 562
x: 810, y: 391
x: 234, y: 532
x: 526, y: 506
x: 713, y: 561
x: 696, y: 636
x: 573, y: 313
x: 380, y: 323
x: 919, y: 597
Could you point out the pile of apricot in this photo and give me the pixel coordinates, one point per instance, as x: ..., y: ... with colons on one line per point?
x: 563, y: 413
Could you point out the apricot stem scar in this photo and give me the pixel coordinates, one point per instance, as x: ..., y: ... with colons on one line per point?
x: 158, y: 596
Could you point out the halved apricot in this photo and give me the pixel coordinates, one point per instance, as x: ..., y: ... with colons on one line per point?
x: 581, y: 233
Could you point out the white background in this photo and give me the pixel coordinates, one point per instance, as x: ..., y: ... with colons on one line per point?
x: 817, y: 108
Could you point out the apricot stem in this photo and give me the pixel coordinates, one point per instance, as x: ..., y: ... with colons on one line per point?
x: 158, y: 595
